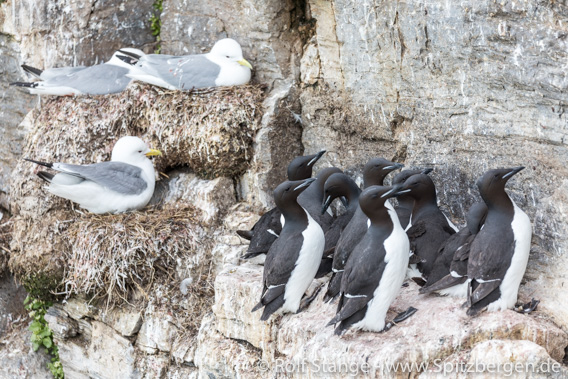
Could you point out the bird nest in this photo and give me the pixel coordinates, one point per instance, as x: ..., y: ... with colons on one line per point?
x: 211, y: 131
x: 113, y: 255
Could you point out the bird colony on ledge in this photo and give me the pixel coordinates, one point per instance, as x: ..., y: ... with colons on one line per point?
x: 372, y: 247
x: 369, y: 249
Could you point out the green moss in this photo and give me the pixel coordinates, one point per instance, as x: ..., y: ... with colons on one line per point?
x: 156, y: 24
x: 41, y: 285
x: 42, y: 336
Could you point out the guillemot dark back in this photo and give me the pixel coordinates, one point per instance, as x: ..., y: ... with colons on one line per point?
x: 376, y: 268
x: 405, y: 202
x: 340, y: 186
x: 343, y: 187
x: 268, y: 227
x: 374, y: 173
x: 312, y: 198
x: 293, y: 259
x: 500, y: 251
x: 428, y: 227
x: 450, y: 269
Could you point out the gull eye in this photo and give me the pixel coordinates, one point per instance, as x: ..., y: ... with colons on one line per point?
x: 140, y: 151
x: 228, y: 56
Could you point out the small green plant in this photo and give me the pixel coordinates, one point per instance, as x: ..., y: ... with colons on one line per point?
x: 42, y: 335
x: 156, y: 24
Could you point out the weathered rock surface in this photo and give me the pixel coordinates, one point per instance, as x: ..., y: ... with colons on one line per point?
x: 72, y: 33
x: 212, y: 197
x: 12, y: 298
x: 460, y: 87
x: 17, y: 357
x: 302, y: 345
x: 15, y: 105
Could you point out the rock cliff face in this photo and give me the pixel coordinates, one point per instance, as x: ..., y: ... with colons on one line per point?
x: 458, y: 86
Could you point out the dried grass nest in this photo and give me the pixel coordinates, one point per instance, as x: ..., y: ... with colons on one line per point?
x: 210, y: 130
x: 113, y: 255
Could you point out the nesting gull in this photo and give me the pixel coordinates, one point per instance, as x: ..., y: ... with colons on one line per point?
x: 101, y: 79
x: 223, y: 66
x: 123, y: 184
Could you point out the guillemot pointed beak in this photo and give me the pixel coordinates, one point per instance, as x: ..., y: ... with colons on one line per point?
x: 394, y: 166
x: 513, y: 172
x: 316, y: 157
x: 426, y: 171
x: 326, y: 204
x: 244, y: 62
x: 395, y: 191
x: 153, y: 152
x: 306, y: 183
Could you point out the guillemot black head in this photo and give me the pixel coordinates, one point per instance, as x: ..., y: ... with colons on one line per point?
x: 492, y: 183
x: 419, y: 187
x: 402, y: 176
x: 372, y: 201
x: 316, y: 189
x: 476, y: 217
x: 301, y: 167
x: 376, y: 170
x: 340, y: 186
x: 286, y: 193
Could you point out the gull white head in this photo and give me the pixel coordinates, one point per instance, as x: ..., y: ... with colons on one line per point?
x: 229, y: 49
x: 116, y: 61
x: 132, y: 150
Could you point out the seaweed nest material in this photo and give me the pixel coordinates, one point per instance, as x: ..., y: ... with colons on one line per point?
x: 112, y: 255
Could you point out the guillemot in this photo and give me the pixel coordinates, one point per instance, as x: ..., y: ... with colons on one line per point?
x: 268, y: 227
x: 500, y: 251
x: 374, y: 173
x: 376, y: 268
x: 405, y: 202
x: 450, y: 269
x: 293, y: 259
x: 429, y: 227
x: 343, y: 187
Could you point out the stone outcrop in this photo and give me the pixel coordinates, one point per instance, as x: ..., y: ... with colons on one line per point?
x: 460, y: 87
x: 301, y: 344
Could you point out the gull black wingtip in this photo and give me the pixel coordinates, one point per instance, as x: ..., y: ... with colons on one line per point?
x: 130, y: 54
x: 32, y: 70
x: 129, y: 60
x: 24, y: 84
x: 50, y: 165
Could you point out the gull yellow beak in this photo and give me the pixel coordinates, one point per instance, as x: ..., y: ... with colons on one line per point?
x: 153, y: 152
x: 245, y: 63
